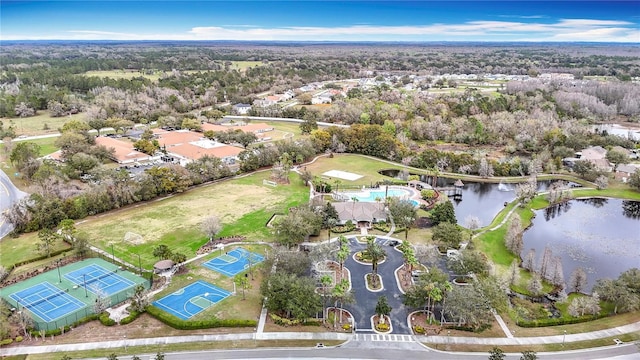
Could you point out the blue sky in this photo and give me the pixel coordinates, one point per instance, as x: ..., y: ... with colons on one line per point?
x: 514, y: 20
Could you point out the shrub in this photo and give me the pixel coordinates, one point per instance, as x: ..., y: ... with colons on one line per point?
x: 132, y: 316
x: 470, y: 328
x: 346, y: 327
x: 106, y: 320
x: 558, y: 321
x: 19, y: 338
x: 419, y: 330
x: 343, y: 229
x: 382, y: 327
x: 6, y: 342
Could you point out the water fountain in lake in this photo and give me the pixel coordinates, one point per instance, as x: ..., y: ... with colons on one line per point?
x: 504, y: 187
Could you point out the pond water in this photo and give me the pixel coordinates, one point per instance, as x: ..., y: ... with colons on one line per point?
x: 600, y: 235
x: 483, y: 200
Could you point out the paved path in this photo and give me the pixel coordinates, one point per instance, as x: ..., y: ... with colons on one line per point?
x: 361, y: 340
x: 503, y: 326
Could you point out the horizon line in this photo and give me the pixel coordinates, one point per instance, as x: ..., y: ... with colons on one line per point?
x: 325, y: 41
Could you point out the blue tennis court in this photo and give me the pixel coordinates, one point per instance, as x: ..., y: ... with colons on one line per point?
x: 233, y: 262
x: 47, y: 301
x: 191, y: 299
x: 95, y: 276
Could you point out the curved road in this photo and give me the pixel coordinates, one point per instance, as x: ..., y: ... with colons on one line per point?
x: 9, y: 195
x: 366, y: 300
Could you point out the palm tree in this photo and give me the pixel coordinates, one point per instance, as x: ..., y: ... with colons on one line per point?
x: 325, y: 281
x: 435, y: 294
x: 353, y: 208
x: 409, y: 255
x: 375, y: 253
x: 341, y: 295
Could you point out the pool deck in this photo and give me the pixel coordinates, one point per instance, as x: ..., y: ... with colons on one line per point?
x: 414, y: 194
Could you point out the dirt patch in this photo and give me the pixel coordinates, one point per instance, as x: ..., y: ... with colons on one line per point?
x: 421, y: 319
x: 404, y: 277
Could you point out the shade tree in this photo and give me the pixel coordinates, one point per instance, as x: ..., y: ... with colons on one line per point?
x: 211, y: 226
x: 577, y: 280
x: 443, y: 212
x: 291, y: 296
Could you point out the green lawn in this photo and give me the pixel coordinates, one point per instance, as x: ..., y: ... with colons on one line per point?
x: 124, y: 74
x: 14, y: 250
x: 47, y: 145
x: 357, y: 164
x: 244, y: 206
x: 244, y: 65
x: 35, y: 125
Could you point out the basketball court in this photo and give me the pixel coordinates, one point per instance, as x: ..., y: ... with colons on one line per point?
x: 192, y: 299
x: 234, y: 262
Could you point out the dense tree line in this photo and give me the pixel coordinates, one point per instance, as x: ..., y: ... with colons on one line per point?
x: 55, y: 197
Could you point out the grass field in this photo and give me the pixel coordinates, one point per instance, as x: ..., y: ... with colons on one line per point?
x: 243, y: 205
x: 34, y: 125
x: 356, y: 164
x: 14, y: 250
x: 124, y: 74
x: 283, y: 130
x: 244, y: 65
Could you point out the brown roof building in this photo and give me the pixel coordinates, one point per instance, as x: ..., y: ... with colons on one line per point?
x: 188, y: 146
x: 124, y: 153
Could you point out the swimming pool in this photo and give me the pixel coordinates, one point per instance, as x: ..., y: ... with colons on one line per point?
x: 370, y: 195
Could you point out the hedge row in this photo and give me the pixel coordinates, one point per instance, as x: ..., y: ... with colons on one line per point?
x: 180, y: 324
x: 558, y: 321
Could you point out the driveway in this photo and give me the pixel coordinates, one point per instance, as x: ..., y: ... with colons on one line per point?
x: 365, y: 300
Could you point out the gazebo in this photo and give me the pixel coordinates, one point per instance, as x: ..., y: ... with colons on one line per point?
x: 163, y: 265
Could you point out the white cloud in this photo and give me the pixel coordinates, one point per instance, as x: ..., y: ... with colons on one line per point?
x: 481, y: 30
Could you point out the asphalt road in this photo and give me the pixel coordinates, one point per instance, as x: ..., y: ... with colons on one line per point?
x: 365, y: 305
x: 9, y: 194
x: 625, y: 352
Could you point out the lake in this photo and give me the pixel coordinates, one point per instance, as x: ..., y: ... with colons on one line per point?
x: 483, y: 200
x: 600, y: 235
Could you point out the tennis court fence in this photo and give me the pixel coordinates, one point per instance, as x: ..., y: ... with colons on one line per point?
x: 70, y: 318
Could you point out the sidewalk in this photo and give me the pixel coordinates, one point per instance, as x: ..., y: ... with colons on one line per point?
x: 555, y: 339
x: 40, y: 349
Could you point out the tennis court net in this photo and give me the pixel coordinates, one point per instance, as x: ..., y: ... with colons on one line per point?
x: 101, y: 276
x: 40, y: 301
